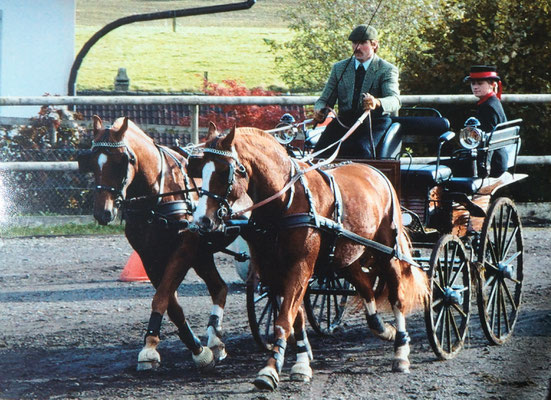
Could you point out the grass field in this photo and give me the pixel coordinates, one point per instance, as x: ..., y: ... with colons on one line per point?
x: 158, y: 57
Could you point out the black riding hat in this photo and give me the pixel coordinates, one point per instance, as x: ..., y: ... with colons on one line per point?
x: 363, y: 32
x: 482, y: 72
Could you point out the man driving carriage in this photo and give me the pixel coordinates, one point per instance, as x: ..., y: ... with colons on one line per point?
x: 364, y: 81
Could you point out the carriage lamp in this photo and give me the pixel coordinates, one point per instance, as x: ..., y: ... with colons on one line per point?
x: 285, y: 131
x: 470, y: 135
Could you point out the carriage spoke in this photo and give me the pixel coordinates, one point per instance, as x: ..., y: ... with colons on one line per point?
x: 459, y: 310
x: 510, y: 241
x: 328, y: 321
x: 446, y: 264
x: 448, y: 329
x: 440, y: 276
x: 510, y: 296
x: 268, y: 323
x: 439, y: 318
x: 493, y: 255
x: 504, y: 307
x: 498, y: 301
x: 496, y: 240
x: 505, y: 230
x: 436, y: 303
x: 490, y: 281
x: 322, y: 306
x: 451, y: 264
x: 510, y: 260
x: 455, y: 327
x: 491, y: 302
x: 459, y: 269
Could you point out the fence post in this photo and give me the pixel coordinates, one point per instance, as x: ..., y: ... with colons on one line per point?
x: 194, y: 123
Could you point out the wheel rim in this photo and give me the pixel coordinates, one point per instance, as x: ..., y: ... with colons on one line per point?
x: 262, y: 309
x: 501, y: 271
x: 448, y: 308
x: 325, y: 303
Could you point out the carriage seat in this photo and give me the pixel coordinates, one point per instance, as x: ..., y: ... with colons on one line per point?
x: 418, y: 129
x: 424, y: 175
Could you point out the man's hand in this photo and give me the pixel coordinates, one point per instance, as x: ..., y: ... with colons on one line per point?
x: 370, y: 102
x: 320, y: 115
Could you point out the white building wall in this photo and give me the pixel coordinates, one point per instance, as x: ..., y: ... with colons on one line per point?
x: 37, y: 49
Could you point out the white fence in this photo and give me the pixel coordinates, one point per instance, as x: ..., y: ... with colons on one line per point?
x: 195, y: 101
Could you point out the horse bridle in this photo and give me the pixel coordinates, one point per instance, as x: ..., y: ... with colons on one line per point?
x: 224, y: 207
x: 130, y: 158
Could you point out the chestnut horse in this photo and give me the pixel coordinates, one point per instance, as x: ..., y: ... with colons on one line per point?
x: 291, y: 227
x: 131, y: 170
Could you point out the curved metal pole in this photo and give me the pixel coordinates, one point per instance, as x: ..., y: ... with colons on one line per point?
x: 146, y: 17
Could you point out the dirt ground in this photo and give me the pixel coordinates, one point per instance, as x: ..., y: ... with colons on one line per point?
x: 70, y: 329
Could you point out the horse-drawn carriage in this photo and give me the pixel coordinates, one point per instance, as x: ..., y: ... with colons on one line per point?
x: 464, y: 236
x: 350, y: 214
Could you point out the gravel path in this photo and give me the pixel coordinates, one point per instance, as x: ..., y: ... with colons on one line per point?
x: 70, y: 329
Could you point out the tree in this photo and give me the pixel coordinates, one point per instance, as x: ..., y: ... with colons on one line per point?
x: 321, y: 30
x: 514, y: 35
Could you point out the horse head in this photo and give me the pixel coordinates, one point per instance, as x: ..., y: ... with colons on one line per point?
x: 113, y: 164
x: 225, y: 181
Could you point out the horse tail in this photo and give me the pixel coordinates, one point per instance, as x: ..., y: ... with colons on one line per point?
x: 413, y: 285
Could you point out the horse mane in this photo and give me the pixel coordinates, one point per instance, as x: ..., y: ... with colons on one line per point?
x: 259, y: 139
x: 132, y: 127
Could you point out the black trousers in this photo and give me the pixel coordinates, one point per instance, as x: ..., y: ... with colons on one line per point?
x: 358, y: 145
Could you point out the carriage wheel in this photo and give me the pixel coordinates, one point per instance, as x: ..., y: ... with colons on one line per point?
x: 262, y: 310
x: 448, y: 308
x: 325, y: 302
x: 500, y: 272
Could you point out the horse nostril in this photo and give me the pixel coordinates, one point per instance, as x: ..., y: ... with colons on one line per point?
x: 104, y: 217
x: 205, y: 222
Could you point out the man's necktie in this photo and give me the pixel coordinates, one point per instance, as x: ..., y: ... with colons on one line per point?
x: 360, y: 75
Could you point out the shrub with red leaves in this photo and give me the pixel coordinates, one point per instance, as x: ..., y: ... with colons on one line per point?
x: 226, y: 116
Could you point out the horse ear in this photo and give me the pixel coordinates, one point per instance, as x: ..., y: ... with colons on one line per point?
x: 228, y: 140
x: 98, y: 124
x: 213, y: 132
x: 120, y: 133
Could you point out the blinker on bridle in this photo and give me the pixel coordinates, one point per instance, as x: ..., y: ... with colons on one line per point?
x: 130, y: 159
x: 224, y: 208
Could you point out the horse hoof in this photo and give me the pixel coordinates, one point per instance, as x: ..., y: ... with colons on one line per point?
x: 148, y: 359
x: 267, y: 379
x: 399, y: 365
x: 204, y: 360
x: 219, y: 352
x: 301, y: 372
x: 147, y: 365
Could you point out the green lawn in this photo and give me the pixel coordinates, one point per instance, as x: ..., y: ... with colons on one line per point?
x: 157, y: 58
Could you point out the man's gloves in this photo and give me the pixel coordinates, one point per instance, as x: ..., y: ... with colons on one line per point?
x: 320, y: 115
x: 370, y: 102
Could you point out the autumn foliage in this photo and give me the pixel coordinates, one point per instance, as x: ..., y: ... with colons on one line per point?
x: 226, y: 116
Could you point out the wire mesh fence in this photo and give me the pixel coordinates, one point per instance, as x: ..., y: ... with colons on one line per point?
x: 65, y: 192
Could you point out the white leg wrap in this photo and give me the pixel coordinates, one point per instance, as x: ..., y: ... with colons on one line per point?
x: 400, y: 319
x: 301, y: 371
x: 149, y: 358
x: 205, y: 359
x: 267, y: 379
x: 402, y: 352
x: 216, y: 345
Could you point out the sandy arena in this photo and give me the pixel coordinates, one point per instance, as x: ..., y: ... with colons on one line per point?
x: 70, y: 329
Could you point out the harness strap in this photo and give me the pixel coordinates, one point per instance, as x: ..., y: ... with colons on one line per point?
x: 302, y: 172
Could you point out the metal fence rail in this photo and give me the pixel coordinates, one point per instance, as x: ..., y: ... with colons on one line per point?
x: 195, y: 101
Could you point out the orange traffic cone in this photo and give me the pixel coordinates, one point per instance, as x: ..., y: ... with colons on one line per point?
x: 134, y: 270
